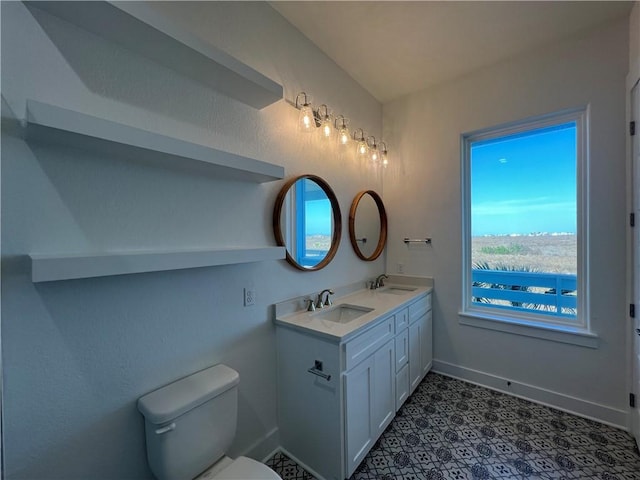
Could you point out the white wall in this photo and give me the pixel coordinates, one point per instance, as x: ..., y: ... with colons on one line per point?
x: 78, y: 354
x: 634, y: 41
x: 423, y: 195
x: 632, y: 79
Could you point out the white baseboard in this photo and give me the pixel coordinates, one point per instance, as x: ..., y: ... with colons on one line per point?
x: 302, y: 464
x: 264, y: 447
x: 594, y: 411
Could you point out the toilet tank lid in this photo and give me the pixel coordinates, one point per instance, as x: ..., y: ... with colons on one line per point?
x: 177, y: 398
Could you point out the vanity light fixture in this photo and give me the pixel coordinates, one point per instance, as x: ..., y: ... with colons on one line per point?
x: 306, y: 118
x: 343, y: 131
x: 374, y: 155
x: 309, y: 119
x: 361, y: 148
x: 383, y: 154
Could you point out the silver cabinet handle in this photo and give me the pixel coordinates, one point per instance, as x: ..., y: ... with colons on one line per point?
x: 168, y: 428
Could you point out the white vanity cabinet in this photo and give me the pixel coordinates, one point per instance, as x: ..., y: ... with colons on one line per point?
x: 328, y: 425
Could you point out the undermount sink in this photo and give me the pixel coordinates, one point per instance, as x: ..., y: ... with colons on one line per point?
x: 343, y: 313
x: 398, y: 290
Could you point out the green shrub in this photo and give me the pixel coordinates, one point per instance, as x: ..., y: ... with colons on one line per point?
x: 512, y: 249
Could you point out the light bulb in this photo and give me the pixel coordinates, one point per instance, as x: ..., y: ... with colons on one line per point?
x: 327, y: 128
x: 306, y: 121
x: 383, y: 154
x: 343, y: 136
x: 362, y: 148
x: 373, y: 149
x: 343, y: 131
x: 374, y: 154
x: 326, y: 125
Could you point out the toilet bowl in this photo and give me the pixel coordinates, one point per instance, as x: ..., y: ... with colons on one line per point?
x: 190, y: 425
x: 242, y: 468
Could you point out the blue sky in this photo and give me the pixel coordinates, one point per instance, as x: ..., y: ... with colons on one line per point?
x: 525, y: 183
x: 318, y: 217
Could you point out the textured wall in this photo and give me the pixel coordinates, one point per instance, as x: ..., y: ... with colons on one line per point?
x: 426, y: 128
x: 78, y: 354
x: 634, y: 42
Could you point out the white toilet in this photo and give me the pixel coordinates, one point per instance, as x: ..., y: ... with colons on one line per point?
x: 191, y: 423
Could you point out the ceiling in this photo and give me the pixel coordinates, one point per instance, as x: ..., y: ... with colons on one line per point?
x: 396, y: 48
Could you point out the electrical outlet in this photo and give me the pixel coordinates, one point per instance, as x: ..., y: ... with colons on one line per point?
x: 400, y: 267
x: 249, y: 296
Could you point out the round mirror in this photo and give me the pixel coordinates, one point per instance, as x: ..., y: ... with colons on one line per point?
x: 368, y: 225
x: 307, y: 221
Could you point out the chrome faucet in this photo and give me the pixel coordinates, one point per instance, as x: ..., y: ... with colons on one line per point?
x: 311, y: 307
x: 380, y: 281
x: 321, y: 303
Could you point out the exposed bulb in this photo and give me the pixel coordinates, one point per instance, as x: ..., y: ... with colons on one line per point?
x: 373, y: 149
x: 307, y: 122
x: 327, y: 128
x: 383, y: 154
x: 343, y: 136
x: 362, y: 148
x: 343, y: 131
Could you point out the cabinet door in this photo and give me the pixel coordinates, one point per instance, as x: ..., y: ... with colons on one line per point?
x: 358, y: 385
x: 426, y: 343
x: 402, y: 386
x: 402, y: 349
x: 420, y: 349
x: 384, y: 388
x: 415, y: 360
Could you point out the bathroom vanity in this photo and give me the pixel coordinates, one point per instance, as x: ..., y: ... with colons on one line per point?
x: 344, y: 371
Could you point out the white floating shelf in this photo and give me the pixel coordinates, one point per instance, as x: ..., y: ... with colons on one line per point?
x: 52, y: 124
x: 143, y: 30
x: 47, y: 268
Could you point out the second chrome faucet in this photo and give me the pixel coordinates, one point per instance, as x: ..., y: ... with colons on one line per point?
x: 379, y: 282
x: 321, y: 302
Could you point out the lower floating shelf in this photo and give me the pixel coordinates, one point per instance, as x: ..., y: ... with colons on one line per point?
x: 48, y: 268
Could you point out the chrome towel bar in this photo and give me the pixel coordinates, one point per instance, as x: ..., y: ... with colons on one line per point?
x: 317, y: 370
x: 417, y: 240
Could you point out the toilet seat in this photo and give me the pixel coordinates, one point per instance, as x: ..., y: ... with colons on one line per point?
x: 245, y: 468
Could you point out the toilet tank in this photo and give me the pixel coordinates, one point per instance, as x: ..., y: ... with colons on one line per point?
x: 190, y: 423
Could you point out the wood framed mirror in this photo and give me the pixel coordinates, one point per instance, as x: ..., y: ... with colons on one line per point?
x: 368, y: 225
x: 307, y: 222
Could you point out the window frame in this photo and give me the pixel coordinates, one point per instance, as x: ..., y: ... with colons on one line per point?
x: 528, y: 323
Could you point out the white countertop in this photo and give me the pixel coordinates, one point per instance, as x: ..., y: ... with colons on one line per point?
x: 381, y: 302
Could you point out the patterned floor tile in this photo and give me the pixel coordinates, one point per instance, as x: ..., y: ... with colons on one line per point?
x: 449, y: 429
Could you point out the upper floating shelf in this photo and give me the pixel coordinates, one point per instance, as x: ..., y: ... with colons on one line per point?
x: 49, y: 123
x: 139, y: 28
x: 48, y: 268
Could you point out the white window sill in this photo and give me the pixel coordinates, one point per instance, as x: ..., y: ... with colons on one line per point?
x: 556, y: 333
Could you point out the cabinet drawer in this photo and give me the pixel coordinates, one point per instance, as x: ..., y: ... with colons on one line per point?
x: 362, y: 346
x: 419, y: 308
x: 402, y: 319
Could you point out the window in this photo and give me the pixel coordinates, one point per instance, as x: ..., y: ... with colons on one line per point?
x: 313, y: 223
x: 524, y: 223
